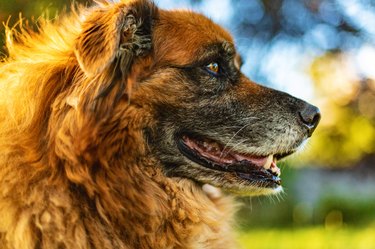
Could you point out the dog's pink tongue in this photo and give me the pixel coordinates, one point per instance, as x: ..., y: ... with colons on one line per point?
x: 258, y: 161
x: 216, y: 152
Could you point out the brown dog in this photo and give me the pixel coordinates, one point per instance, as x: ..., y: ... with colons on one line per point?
x: 112, y: 119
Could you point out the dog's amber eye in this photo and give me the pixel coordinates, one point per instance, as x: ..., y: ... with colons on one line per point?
x: 213, y: 68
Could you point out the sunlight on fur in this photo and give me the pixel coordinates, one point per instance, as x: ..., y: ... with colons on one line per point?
x: 111, y: 127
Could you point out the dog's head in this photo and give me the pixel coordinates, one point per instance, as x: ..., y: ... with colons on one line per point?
x: 202, y: 119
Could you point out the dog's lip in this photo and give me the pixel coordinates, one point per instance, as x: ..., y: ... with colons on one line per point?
x: 259, y: 170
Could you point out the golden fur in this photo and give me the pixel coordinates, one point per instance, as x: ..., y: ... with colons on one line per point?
x: 112, y: 119
x: 75, y: 171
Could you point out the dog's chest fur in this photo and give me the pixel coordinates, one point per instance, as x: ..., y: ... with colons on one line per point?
x: 56, y: 218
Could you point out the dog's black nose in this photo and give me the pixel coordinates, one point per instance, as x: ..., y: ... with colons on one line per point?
x: 310, y: 117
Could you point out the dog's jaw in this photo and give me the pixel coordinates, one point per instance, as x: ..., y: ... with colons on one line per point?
x: 209, y: 162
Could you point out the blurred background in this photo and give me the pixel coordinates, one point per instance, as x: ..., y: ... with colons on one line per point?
x: 322, y: 51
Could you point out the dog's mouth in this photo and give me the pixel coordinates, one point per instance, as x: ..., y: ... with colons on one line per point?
x: 260, y: 171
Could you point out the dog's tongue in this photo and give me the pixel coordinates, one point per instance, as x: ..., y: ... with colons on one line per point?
x: 223, y: 155
x: 269, y: 162
x: 258, y: 161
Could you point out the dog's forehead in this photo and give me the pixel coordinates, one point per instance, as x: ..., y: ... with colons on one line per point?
x: 181, y: 36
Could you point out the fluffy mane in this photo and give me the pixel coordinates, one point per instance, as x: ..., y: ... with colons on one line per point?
x: 73, y: 156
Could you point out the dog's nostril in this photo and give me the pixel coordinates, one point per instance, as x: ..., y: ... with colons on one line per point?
x: 310, y: 116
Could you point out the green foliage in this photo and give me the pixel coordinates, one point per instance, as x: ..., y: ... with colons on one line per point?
x: 353, y: 211
x: 347, y: 130
x: 346, y: 142
x: 12, y: 10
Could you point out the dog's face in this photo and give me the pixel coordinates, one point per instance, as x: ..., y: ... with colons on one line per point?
x: 210, y: 123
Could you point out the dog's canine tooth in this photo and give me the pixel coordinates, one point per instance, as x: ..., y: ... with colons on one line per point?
x: 274, y: 168
x: 268, y: 163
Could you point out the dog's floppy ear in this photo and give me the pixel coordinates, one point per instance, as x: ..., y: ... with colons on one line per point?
x: 115, y: 31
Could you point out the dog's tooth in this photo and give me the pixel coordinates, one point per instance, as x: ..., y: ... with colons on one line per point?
x: 210, y: 148
x: 275, y: 169
x: 268, y: 163
x: 215, y: 147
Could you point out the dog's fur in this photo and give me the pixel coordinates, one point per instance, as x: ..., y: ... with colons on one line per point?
x: 89, y: 110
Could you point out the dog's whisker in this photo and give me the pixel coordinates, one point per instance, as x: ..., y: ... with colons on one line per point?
x: 235, y: 134
x: 233, y: 148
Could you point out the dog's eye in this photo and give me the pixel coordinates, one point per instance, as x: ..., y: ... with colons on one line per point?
x: 213, y: 68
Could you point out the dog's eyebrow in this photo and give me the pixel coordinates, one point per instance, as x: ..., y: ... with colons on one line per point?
x: 213, y: 51
x: 231, y: 51
x: 229, y: 48
x: 238, y: 61
x: 224, y: 49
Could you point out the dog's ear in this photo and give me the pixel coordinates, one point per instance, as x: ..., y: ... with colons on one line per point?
x: 115, y: 33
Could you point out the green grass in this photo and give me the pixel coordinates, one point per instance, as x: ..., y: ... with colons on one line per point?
x: 309, y: 238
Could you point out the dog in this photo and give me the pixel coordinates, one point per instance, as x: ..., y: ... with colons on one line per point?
x: 119, y: 124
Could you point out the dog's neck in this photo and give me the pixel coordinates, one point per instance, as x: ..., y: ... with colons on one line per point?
x: 156, y: 204
x: 137, y: 199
